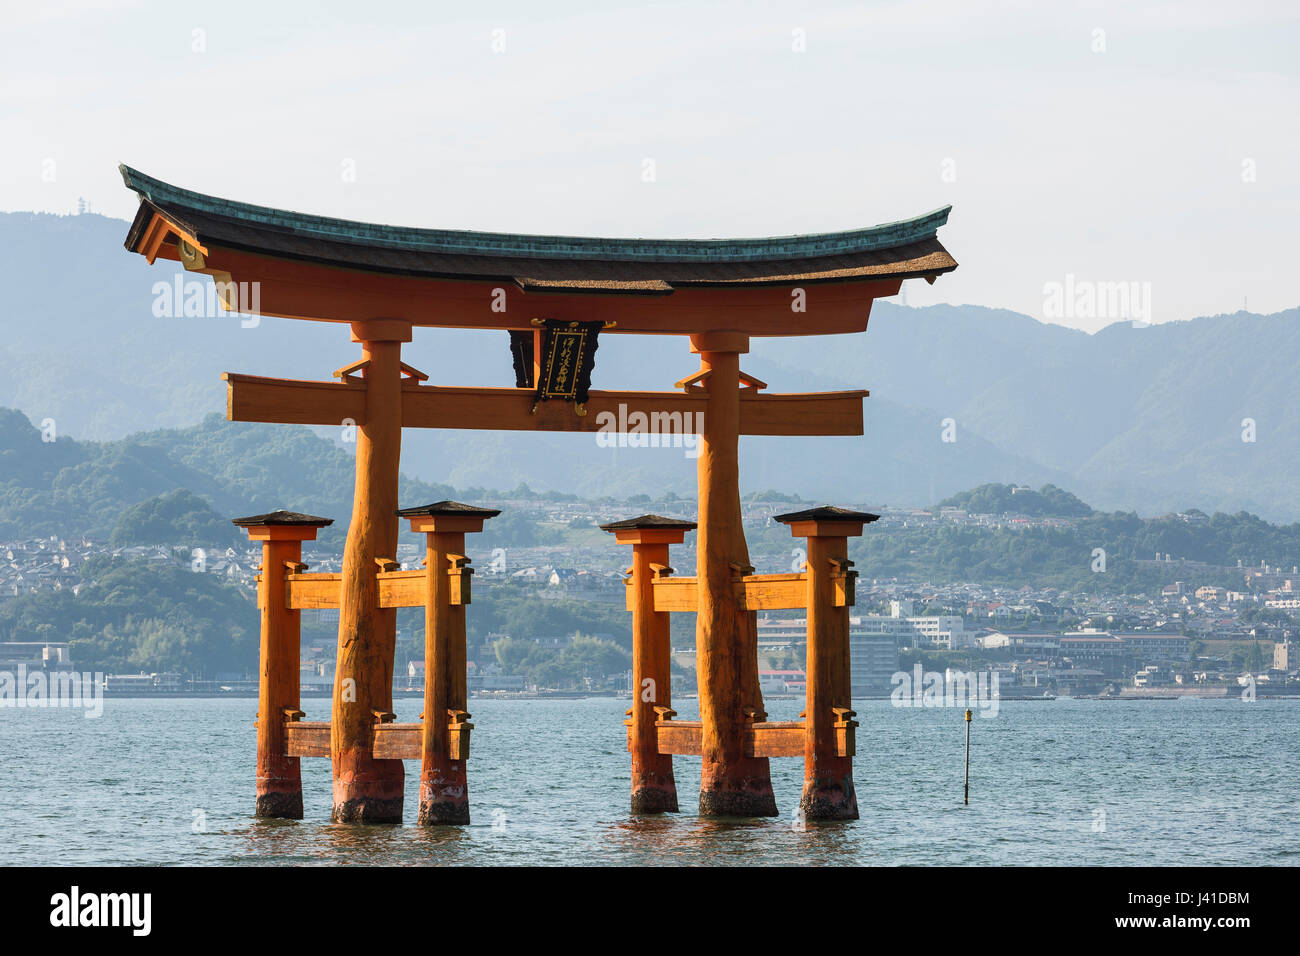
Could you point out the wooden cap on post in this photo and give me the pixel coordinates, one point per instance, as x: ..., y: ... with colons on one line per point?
x: 449, y: 516
x: 282, y: 526
x: 649, y: 529
x: 826, y: 521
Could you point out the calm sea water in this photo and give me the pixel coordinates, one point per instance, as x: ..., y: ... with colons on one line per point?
x: 1068, y: 782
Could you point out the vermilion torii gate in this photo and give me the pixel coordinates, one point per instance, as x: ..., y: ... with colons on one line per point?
x: 384, y: 281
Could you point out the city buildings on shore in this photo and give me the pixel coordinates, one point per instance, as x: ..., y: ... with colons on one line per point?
x: 1042, y: 637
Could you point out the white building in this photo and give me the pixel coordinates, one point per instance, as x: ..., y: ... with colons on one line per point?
x: 944, y: 632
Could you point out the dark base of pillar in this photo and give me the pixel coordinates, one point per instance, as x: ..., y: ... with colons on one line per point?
x: 740, y: 790
x: 367, y: 810
x: 653, y: 799
x: 441, y: 813
x: 368, y: 790
x: 829, y: 799
x: 281, y: 805
x: 444, y: 803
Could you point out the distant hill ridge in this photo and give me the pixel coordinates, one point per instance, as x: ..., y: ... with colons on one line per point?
x: 1048, y: 501
x: 1145, y: 419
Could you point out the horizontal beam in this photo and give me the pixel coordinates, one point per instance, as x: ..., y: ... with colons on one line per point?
x: 754, y: 592
x: 784, y: 738
x: 392, y: 741
x: 307, y: 290
x: 307, y: 738
x: 396, y: 589
x: 772, y: 592
x: 312, y: 591
x: 251, y: 398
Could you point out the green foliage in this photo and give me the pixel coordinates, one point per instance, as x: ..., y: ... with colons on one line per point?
x: 1266, y: 615
x: 179, y: 517
x: 522, y: 613
x: 1062, y: 557
x: 515, y: 529
x: 70, y: 488
x: 564, y: 667
x: 136, y: 615
x: 772, y: 495
x: 1047, y: 501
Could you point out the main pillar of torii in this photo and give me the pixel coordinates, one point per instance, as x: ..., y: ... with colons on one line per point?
x: 726, y: 636
x: 368, y: 790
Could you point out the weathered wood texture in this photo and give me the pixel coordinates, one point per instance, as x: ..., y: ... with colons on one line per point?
x: 391, y: 741
x: 762, y: 739
x: 307, y: 738
x: 367, y: 790
x: 732, y: 783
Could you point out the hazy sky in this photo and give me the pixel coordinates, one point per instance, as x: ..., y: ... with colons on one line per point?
x: 1116, y: 142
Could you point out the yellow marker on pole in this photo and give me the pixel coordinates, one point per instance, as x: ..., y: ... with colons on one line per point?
x: 966, y: 797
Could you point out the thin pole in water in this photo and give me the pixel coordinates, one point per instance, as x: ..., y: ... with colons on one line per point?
x: 966, y: 796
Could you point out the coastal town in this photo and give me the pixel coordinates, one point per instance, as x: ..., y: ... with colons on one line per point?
x: 1190, y: 637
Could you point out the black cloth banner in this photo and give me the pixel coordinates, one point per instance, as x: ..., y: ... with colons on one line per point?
x: 521, y: 350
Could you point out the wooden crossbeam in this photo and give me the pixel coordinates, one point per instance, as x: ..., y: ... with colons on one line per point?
x: 783, y: 738
x: 754, y: 592
x: 393, y: 741
x: 307, y: 738
x: 396, y: 589
x: 772, y: 592
x: 251, y: 398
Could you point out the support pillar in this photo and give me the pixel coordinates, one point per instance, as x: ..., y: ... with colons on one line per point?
x: 279, y: 777
x: 828, y: 792
x: 654, y: 789
x: 731, y: 784
x: 444, y: 739
x: 367, y: 790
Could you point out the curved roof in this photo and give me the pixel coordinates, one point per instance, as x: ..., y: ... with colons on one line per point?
x: 901, y: 249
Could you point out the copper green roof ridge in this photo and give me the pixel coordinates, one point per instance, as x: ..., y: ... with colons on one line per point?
x: 177, y: 201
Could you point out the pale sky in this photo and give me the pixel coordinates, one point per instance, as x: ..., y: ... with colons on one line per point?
x: 1112, y: 141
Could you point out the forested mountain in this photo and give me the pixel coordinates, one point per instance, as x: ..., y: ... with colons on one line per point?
x: 1149, y: 419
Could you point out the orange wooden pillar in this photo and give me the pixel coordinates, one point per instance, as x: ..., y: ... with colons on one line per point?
x: 726, y: 637
x: 367, y: 790
x: 279, y: 779
x: 444, y: 739
x: 828, y: 792
x: 654, y: 790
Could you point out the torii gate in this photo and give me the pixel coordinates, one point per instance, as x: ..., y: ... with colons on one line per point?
x: 384, y: 281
